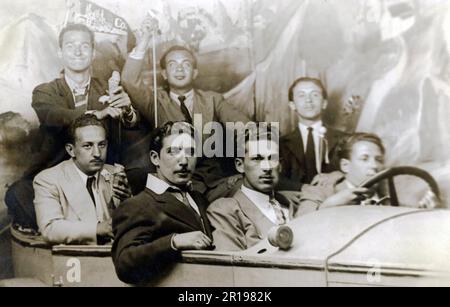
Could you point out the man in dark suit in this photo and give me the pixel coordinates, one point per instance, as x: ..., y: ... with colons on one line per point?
x: 311, y: 148
x: 61, y: 101
x: 178, y: 101
x: 152, y: 228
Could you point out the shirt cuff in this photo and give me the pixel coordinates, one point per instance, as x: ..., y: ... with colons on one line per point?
x: 137, y: 55
x: 130, y: 116
x: 172, y: 245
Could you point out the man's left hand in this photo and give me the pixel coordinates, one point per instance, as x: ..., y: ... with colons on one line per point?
x: 119, y: 99
x: 429, y: 201
x: 121, y: 189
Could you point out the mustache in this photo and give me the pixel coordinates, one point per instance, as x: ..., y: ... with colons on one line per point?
x: 97, y: 160
x: 183, y: 170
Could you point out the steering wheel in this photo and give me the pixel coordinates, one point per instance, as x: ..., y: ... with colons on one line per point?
x: 390, y: 173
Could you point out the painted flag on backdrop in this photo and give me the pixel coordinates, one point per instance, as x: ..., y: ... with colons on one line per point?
x: 99, y: 20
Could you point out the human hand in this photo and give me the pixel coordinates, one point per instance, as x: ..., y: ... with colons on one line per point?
x: 293, y: 196
x: 149, y: 26
x: 108, y: 112
x: 119, y: 99
x: 345, y: 197
x: 104, y: 228
x: 191, y: 240
x: 121, y: 188
x: 429, y: 201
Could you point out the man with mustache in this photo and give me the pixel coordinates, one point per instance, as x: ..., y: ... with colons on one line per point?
x: 58, y: 102
x: 243, y: 220
x: 152, y: 228
x: 179, y: 100
x: 74, y: 199
x: 311, y: 148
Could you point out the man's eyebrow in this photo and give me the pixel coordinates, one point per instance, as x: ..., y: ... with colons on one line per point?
x: 183, y: 61
x: 255, y: 156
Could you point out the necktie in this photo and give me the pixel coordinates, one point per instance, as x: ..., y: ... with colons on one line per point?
x: 181, y: 196
x: 187, y: 203
x: 281, y: 217
x: 80, y: 96
x: 310, y: 156
x: 184, y: 109
x: 89, y: 183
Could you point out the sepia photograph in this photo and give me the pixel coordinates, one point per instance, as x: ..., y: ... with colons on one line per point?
x: 225, y: 143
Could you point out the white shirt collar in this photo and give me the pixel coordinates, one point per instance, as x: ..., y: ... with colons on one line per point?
x: 316, y: 127
x: 188, y: 95
x: 160, y: 187
x: 74, y: 86
x: 256, y: 197
x: 83, y: 176
x: 261, y: 201
x: 157, y: 185
x: 189, y: 102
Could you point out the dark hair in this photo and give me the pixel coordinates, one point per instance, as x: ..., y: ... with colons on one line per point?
x: 162, y: 61
x: 75, y: 27
x: 256, y: 132
x: 307, y: 79
x: 84, y: 121
x: 346, y: 148
x: 169, y: 128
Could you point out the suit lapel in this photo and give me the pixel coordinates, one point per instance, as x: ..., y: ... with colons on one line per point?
x: 95, y: 91
x: 65, y: 91
x: 294, y: 142
x: 200, y: 201
x: 171, y: 109
x: 203, y: 106
x: 332, y: 137
x: 261, y: 222
x: 176, y: 209
x: 77, y: 195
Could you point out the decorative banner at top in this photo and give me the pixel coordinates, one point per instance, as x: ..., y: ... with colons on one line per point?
x: 95, y: 17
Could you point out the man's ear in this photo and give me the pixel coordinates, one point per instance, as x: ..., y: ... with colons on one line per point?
x: 292, y: 106
x: 154, y: 158
x: 280, y: 167
x: 195, y: 74
x: 239, y: 164
x: 164, y: 74
x: 324, y: 104
x: 70, y: 149
x: 59, y: 53
x: 344, y: 163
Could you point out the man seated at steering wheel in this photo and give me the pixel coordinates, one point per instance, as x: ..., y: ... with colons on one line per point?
x: 361, y: 157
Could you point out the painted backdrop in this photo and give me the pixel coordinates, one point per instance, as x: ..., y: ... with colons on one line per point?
x: 385, y: 63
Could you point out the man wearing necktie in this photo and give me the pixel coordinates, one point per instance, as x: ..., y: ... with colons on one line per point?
x: 178, y: 100
x: 152, y: 228
x: 74, y: 199
x: 241, y: 221
x: 59, y: 102
x: 311, y: 148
